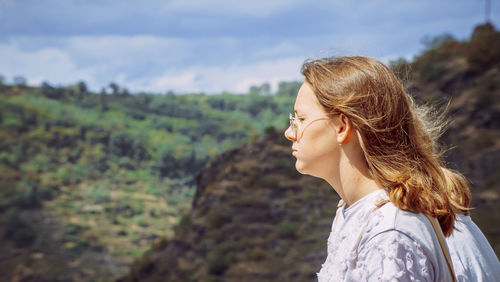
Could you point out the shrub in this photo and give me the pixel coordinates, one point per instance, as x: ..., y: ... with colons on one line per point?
x: 17, y: 230
x: 270, y: 181
x: 126, y: 163
x: 74, y: 229
x: 51, y: 92
x: 270, y: 130
x: 145, y: 264
x: 168, y: 165
x: 155, y: 189
x: 288, y: 229
x: 26, y: 198
x: 183, y: 223
x: 161, y: 243
x: 94, y: 158
x: 9, y: 159
x: 135, y: 113
x: 217, y: 264
x: 125, y: 145
x: 486, y: 91
x: 98, y: 194
x: 70, y: 174
x: 163, y: 124
x: 139, y: 220
x: 258, y: 254
x: 217, y: 218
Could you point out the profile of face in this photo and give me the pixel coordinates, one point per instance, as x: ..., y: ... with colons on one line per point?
x: 316, y: 140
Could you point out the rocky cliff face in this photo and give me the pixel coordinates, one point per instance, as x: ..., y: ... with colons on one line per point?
x: 254, y: 218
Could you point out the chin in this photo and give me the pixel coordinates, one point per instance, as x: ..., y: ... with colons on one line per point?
x: 306, y: 170
x: 302, y: 168
x: 298, y: 168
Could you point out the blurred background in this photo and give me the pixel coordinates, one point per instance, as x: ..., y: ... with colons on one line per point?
x: 144, y: 142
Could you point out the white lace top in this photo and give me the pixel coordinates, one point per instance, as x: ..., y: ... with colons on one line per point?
x: 384, y: 244
x: 472, y: 256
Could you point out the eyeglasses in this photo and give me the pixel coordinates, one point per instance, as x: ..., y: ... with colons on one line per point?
x: 295, y: 127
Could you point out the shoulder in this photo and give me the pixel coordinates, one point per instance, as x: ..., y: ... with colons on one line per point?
x: 414, y: 232
x: 464, y: 229
x: 467, y: 234
x: 389, y: 218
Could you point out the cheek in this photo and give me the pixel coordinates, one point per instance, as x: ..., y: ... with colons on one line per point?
x: 316, y: 152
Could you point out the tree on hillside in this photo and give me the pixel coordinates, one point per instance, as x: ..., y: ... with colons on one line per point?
x: 20, y: 81
x: 82, y: 88
x: 264, y: 89
x: 432, y: 43
x: 103, y: 101
x: 484, y: 47
x: 2, y: 83
x: 51, y: 92
x: 217, y: 102
x: 125, y: 92
x: 114, y: 88
x: 124, y: 144
x: 288, y: 89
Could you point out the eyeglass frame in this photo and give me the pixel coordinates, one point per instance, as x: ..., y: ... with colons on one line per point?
x: 295, y: 128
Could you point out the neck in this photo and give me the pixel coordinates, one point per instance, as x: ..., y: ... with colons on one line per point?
x: 352, y: 180
x: 353, y: 185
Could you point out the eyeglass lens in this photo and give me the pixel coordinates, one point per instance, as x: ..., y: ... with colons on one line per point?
x: 293, y: 125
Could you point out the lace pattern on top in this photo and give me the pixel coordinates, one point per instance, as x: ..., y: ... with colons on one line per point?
x: 388, y: 256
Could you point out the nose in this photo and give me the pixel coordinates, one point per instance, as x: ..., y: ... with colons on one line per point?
x: 289, y: 134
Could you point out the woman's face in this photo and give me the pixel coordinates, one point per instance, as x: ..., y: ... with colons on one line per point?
x: 315, y: 146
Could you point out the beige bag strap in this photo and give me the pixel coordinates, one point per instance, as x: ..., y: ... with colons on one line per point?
x: 442, y: 243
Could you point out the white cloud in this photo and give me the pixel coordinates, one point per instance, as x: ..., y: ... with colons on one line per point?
x: 146, y: 63
x: 102, y: 47
x: 50, y: 64
x: 214, y: 79
x: 96, y: 59
x: 184, y: 81
x: 158, y: 64
x: 272, y: 71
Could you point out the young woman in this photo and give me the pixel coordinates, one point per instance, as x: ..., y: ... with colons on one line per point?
x: 355, y: 127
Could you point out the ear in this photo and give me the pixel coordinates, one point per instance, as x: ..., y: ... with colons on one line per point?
x: 344, y: 129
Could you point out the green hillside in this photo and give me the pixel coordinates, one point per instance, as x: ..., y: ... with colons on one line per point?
x: 102, y: 176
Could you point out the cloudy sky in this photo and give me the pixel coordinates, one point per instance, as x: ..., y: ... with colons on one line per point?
x: 213, y: 45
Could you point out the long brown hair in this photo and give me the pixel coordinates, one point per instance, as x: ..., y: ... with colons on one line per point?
x: 398, y: 139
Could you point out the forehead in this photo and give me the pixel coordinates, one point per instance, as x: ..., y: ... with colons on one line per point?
x: 306, y: 101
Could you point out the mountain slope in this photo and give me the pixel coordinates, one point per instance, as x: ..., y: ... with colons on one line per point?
x: 253, y: 218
